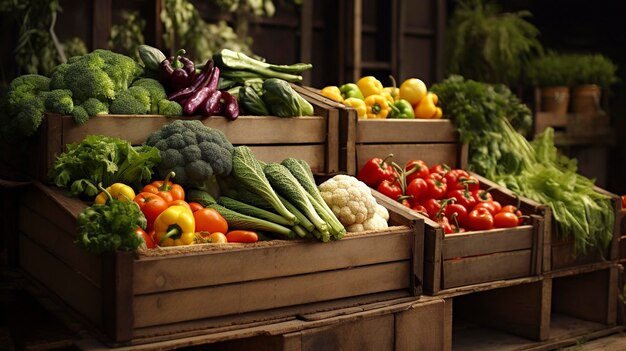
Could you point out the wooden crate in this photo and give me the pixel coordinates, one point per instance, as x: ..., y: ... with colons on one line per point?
x: 313, y: 139
x: 393, y: 325
x: 563, y: 252
x: 134, y: 297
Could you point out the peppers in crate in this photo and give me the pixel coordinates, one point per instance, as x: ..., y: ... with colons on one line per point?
x: 151, y: 205
x: 175, y: 227
x: 369, y: 85
x: 358, y: 105
x: 166, y: 189
x: 377, y: 107
x: 375, y: 171
x: 118, y: 191
x: 177, y: 71
x: 332, y: 92
x: 402, y: 109
x: 351, y: 90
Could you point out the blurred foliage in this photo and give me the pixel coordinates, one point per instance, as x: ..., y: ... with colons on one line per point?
x: 125, y: 37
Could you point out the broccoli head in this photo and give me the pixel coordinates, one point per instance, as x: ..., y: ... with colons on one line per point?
x: 127, y: 104
x: 142, y: 95
x: 59, y: 101
x: 101, y: 74
x: 30, y: 116
x: 80, y: 115
x: 95, y: 107
x: 23, y: 88
x: 170, y: 108
x: 156, y: 90
x: 196, y: 153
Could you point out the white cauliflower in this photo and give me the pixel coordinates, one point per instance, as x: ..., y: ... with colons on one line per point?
x: 377, y: 221
x: 352, y: 202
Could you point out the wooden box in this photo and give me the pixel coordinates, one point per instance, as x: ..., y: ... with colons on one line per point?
x: 313, y: 138
x: 564, y: 254
x: 134, y: 297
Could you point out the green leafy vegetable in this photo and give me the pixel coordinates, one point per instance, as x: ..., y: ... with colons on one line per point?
x: 281, y: 100
x: 233, y: 60
x: 103, y: 160
x: 110, y: 226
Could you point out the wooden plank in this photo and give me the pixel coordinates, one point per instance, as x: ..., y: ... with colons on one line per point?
x: 433, y: 248
x: 479, y: 269
x: 519, y: 309
x: 165, y: 273
x: 313, y: 154
x: 393, y: 131
x: 421, y: 327
x: 52, y: 204
x: 429, y: 153
x: 189, y: 304
x: 76, y: 291
x: 101, y: 17
x: 60, y: 244
x: 593, y: 288
x: 249, y: 130
x: 117, y: 295
x: 355, y: 335
x: 486, y: 242
x: 447, y: 325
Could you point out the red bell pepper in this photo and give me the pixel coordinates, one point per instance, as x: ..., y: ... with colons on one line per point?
x: 390, y: 188
x: 375, y: 171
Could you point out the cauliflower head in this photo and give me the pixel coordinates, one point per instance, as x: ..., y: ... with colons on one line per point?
x: 349, y: 199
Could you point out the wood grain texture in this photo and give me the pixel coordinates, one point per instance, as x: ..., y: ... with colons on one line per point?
x: 405, y: 131
x: 421, y: 327
x: 487, y: 242
x: 480, y: 269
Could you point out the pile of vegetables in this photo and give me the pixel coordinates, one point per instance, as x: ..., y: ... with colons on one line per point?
x: 451, y: 197
x: 373, y: 101
x: 493, y: 121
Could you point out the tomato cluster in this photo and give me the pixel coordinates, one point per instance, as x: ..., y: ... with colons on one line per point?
x: 452, y: 197
x: 210, y: 226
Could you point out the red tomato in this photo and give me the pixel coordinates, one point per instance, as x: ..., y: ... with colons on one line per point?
x: 479, y: 219
x: 417, y: 189
x: 194, y: 206
x: 421, y: 170
x: 497, y: 206
x: 151, y: 206
x: 421, y: 209
x: 482, y: 195
x: 456, y: 214
x: 179, y: 203
x: 390, y: 188
x: 242, y: 236
x: 463, y: 198
x: 148, y: 243
x: 487, y: 205
x: 217, y: 238
x: 440, y: 168
x: 436, y: 188
x: 505, y: 220
x: 209, y: 220
x: 512, y: 209
x: 432, y: 207
x: 624, y: 202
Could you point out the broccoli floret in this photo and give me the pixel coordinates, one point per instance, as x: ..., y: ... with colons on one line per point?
x: 142, y: 95
x: 127, y: 104
x: 156, y: 90
x: 30, y: 116
x: 23, y: 88
x: 59, y: 101
x: 101, y: 74
x: 196, y: 153
x: 95, y: 107
x: 170, y: 108
x: 80, y: 115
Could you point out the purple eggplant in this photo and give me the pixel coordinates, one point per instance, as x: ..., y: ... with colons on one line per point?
x: 231, y: 107
x: 212, y: 105
x: 195, y: 101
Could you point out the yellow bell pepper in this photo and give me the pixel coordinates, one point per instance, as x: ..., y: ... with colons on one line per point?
x: 175, y: 227
x: 377, y: 106
x: 358, y: 105
x: 426, y: 108
x: 332, y: 92
x: 388, y: 96
x: 393, y: 92
x: 118, y: 191
x: 370, y: 86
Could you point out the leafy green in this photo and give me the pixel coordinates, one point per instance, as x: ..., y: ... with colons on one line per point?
x: 535, y: 169
x: 110, y: 226
x: 103, y: 160
x: 248, y: 171
x: 233, y: 60
x: 281, y: 100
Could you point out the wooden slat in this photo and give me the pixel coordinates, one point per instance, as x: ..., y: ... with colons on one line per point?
x: 313, y: 154
x: 429, y: 153
x: 249, y: 130
x: 421, y: 327
x: 60, y: 244
x: 372, y: 131
x: 182, y: 305
x: 433, y: 248
x: 354, y: 335
x: 486, y: 242
x: 165, y: 273
x: 101, y: 19
x: 76, y: 291
x: 117, y: 295
x: 486, y: 268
